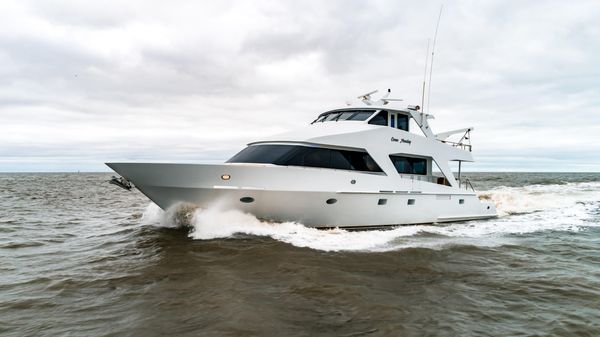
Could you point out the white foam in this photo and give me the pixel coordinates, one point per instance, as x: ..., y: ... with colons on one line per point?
x: 152, y: 215
x: 511, y: 200
x: 176, y: 216
x: 534, y: 208
x: 216, y: 223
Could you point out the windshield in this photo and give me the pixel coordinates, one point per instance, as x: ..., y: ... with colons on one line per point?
x: 345, y: 115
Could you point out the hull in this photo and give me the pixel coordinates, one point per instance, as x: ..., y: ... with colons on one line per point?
x: 311, y: 196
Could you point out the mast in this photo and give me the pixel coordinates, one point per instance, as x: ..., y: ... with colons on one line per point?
x: 424, y: 79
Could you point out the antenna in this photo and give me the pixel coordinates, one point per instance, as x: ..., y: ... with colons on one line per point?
x: 424, y: 78
x: 387, y: 94
x: 367, y: 95
x: 384, y: 98
x: 366, y: 98
x: 432, y: 54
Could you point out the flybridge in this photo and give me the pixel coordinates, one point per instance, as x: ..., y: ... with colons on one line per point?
x: 414, y: 111
x: 387, y: 111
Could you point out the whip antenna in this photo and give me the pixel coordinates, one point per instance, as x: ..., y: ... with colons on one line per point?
x: 432, y: 54
x: 424, y: 79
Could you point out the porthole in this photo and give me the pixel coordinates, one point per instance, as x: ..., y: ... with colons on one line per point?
x: 352, y: 181
x: 411, y: 201
x: 461, y: 201
x: 331, y: 201
x: 382, y: 202
x: 247, y: 200
x: 488, y: 207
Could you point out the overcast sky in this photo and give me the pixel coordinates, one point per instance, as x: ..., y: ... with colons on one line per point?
x: 85, y: 82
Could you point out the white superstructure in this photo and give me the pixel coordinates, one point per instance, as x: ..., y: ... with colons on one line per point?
x: 357, y: 166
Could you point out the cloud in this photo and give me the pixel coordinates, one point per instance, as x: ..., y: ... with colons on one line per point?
x: 83, y: 83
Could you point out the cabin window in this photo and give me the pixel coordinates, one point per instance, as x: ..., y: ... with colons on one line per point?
x: 402, y: 122
x: 329, y: 158
x: 313, y: 158
x: 263, y: 154
x: 380, y: 119
x: 339, y: 161
x: 410, y: 165
x: 296, y: 155
x: 393, y: 120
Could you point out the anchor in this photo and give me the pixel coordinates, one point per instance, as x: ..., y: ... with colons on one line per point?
x: 121, y: 182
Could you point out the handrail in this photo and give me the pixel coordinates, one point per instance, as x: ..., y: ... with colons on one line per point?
x: 464, y: 143
x: 462, y: 146
x: 467, y: 183
x: 462, y: 182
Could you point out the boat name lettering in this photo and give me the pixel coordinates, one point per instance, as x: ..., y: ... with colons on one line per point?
x: 407, y: 141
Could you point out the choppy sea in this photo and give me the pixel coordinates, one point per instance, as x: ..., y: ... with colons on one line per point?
x: 80, y: 257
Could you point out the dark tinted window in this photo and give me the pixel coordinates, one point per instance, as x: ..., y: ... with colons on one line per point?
x: 339, y: 161
x: 295, y: 155
x: 380, y: 119
x: 329, y: 158
x: 419, y: 166
x: 261, y: 154
x: 410, y: 165
x: 403, y: 122
x: 314, y: 157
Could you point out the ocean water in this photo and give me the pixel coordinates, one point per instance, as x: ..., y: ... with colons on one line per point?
x: 80, y: 257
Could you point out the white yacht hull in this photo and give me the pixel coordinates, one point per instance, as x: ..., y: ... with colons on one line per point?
x: 301, y: 194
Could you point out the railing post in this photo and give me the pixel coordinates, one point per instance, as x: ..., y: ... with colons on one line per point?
x: 459, y: 167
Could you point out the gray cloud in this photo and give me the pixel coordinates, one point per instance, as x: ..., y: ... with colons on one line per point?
x: 82, y: 83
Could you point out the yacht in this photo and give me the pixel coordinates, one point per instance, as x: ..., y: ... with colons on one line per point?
x: 358, y: 166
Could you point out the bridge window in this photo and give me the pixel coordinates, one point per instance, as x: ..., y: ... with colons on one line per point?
x: 410, y: 165
x: 296, y: 155
x: 331, y: 116
x: 402, y: 122
x: 345, y: 115
x: 321, y: 118
x: 380, y: 119
x: 361, y: 115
